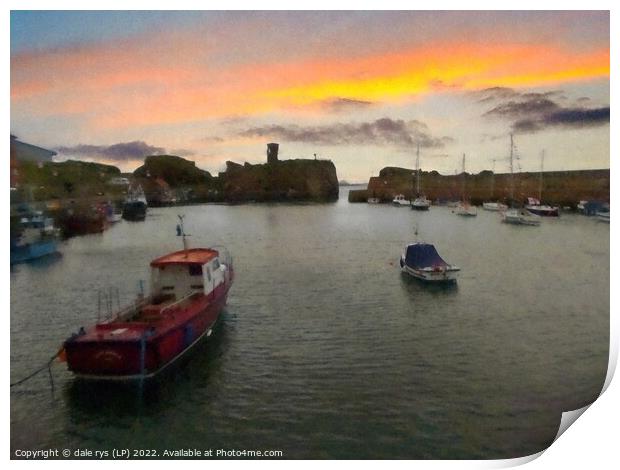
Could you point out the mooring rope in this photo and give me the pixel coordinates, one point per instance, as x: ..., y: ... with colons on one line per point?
x: 48, y: 366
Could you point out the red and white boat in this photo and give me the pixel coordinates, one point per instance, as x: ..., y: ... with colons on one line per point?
x: 188, y: 292
x: 535, y: 207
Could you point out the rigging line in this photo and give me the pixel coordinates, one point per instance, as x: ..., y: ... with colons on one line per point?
x: 47, y: 365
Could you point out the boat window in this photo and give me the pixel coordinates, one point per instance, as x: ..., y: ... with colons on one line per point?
x: 195, y: 270
x: 216, y: 264
x: 167, y: 288
x: 209, y: 273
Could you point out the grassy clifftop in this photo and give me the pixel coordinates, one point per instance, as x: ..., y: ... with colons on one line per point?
x: 70, y: 179
x: 176, y: 171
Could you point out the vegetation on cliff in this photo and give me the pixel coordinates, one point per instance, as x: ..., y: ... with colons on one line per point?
x: 65, y: 180
x: 176, y: 171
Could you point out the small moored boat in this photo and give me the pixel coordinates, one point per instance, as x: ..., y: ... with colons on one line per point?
x: 494, y: 206
x: 135, y: 205
x: 520, y: 217
x: 421, y: 204
x: 465, y: 209
x: 188, y: 292
x: 401, y: 200
x: 535, y: 207
x: 422, y: 261
x: 603, y: 216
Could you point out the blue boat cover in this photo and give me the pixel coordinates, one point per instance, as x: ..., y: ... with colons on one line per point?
x: 423, y: 255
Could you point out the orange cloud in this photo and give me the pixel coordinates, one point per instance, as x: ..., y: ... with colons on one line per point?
x: 161, y: 82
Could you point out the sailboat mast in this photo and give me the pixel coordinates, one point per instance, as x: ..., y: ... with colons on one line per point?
x: 540, y: 183
x: 417, y: 166
x: 493, y: 180
x: 463, y: 183
x: 512, y: 177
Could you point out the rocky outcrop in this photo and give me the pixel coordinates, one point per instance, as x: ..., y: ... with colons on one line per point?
x: 170, y: 179
x: 287, y: 180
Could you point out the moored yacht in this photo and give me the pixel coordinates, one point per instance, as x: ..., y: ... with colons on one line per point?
x: 520, y: 217
x: 422, y: 261
x: 420, y: 203
x: 464, y: 208
x: 401, y: 200
x: 494, y: 206
x: 535, y: 207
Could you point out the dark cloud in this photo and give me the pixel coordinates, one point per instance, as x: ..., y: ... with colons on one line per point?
x: 495, y: 94
x: 135, y: 150
x: 515, y: 109
x: 380, y: 132
x: 533, y: 112
x: 492, y: 94
x: 344, y: 104
x: 572, y: 118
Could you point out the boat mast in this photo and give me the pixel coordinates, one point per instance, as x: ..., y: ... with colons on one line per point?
x: 540, y: 183
x: 181, y: 233
x: 417, y: 166
x: 463, y: 182
x: 493, y: 180
x: 512, y: 177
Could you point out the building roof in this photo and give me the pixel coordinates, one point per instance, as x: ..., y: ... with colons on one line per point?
x: 27, y: 152
x: 191, y: 256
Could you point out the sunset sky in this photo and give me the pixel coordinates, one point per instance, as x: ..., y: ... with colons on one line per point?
x: 360, y: 88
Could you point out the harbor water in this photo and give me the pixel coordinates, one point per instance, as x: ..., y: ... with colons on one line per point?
x: 325, y: 350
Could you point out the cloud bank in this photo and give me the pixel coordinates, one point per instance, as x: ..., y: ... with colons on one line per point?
x: 123, y: 151
x: 534, y: 112
x: 384, y: 131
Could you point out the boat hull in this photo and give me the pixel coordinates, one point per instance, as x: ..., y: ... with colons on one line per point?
x: 419, y: 207
x: 603, y: 216
x: 544, y: 211
x: 150, y: 348
x: 134, y: 211
x: 494, y: 206
x: 517, y: 218
x: 32, y: 251
x: 447, y: 275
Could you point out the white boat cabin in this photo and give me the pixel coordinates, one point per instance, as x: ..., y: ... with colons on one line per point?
x: 187, y: 272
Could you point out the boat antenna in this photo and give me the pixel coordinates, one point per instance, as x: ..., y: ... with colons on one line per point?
x: 181, y: 233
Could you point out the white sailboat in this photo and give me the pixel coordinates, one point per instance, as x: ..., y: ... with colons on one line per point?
x: 493, y: 206
x: 464, y: 208
x: 517, y: 216
x: 533, y: 205
x: 420, y: 203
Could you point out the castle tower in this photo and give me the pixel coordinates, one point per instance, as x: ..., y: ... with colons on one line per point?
x: 272, y: 152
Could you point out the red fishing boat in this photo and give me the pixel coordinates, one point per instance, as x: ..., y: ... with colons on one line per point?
x: 188, y: 292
